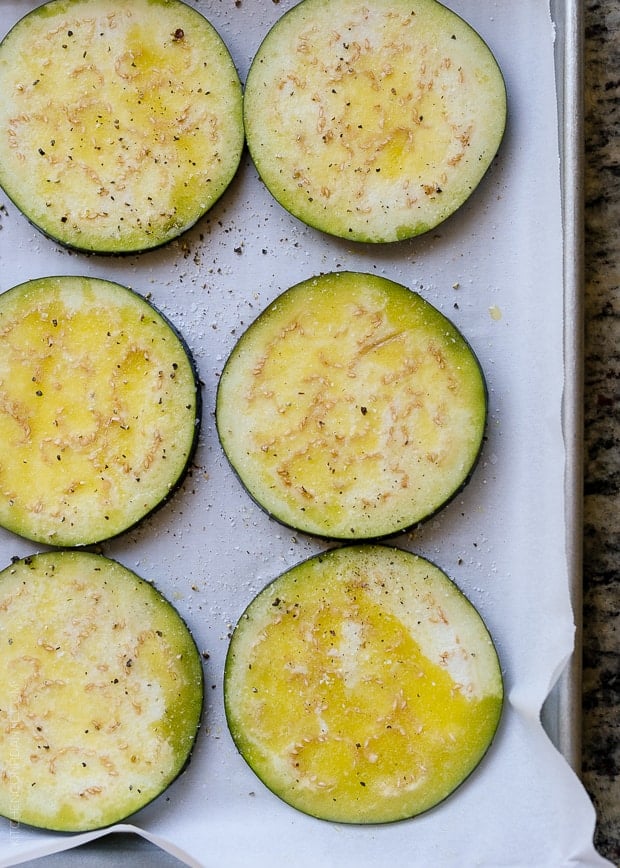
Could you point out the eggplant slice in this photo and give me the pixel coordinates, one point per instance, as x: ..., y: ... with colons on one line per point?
x: 121, y: 121
x: 99, y: 409
x: 373, y: 122
x: 361, y: 686
x: 101, y: 695
x: 352, y: 408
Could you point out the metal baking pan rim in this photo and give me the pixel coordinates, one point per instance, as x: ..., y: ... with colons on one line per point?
x: 561, y: 714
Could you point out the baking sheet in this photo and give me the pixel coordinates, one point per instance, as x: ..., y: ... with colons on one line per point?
x: 498, y: 269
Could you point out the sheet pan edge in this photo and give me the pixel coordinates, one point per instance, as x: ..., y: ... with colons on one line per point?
x: 562, y: 711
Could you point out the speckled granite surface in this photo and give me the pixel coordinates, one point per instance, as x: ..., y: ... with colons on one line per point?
x: 601, y: 640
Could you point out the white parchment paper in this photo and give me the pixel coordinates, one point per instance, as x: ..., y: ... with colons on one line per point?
x: 494, y: 268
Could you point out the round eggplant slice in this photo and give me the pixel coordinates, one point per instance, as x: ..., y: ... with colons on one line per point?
x: 352, y: 408
x: 101, y: 694
x: 361, y: 686
x: 121, y: 120
x: 99, y: 409
x: 373, y: 122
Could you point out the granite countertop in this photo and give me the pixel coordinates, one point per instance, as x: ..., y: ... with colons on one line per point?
x: 601, y: 645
